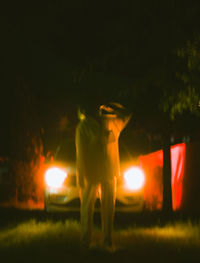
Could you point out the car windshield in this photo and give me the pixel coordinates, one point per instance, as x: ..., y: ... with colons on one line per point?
x: 66, y: 152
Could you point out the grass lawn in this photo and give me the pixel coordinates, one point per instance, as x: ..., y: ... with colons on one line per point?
x: 37, y: 241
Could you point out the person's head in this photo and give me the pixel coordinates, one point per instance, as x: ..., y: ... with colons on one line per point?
x: 110, y: 109
x: 105, y: 110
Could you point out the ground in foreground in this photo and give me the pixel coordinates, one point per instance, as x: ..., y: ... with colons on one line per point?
x: 48, y: 240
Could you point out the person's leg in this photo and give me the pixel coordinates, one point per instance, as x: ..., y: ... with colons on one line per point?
x: 108, y: 193
x: 87, y: 210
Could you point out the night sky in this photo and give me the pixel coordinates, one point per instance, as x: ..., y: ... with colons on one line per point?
x: 59, y: 54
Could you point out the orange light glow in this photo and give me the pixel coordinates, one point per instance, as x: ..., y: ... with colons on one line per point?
x: 134, y: 178
x: 54, y: 177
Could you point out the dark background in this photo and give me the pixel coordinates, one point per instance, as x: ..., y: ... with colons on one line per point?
x: 58, y: 55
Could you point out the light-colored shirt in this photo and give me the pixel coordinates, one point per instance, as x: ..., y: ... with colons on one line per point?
x: 97, y: 147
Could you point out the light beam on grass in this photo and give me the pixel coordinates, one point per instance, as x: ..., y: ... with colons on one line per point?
x: 32, y: 231
x: 66, y: 234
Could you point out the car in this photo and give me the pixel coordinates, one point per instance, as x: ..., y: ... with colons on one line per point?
x: 62, y: 191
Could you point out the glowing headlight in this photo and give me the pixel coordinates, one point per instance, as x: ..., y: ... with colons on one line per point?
x: 134, y: 178
x: 54, y: 177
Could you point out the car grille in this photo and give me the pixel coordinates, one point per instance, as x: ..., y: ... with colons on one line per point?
x: 58, y: 198
x: 70, y: 180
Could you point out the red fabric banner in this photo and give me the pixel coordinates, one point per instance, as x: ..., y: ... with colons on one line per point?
x: 152, y: 164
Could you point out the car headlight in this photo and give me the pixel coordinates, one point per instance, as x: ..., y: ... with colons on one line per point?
x: 134, y: 178
x: 54, y: 177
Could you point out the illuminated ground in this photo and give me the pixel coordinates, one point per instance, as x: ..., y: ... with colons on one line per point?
x: 35, y: 237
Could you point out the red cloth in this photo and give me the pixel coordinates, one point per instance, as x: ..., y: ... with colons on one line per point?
x: 152, y: 164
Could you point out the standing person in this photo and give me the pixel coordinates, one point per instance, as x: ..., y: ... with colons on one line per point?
x: 97, y: 154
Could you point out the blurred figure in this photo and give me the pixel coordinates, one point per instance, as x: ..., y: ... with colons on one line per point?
x: 97, y: 154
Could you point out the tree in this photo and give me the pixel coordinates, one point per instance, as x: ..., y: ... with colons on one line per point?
x: 187, y: 98
x: 184, y: 100
x: 26, y: 147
